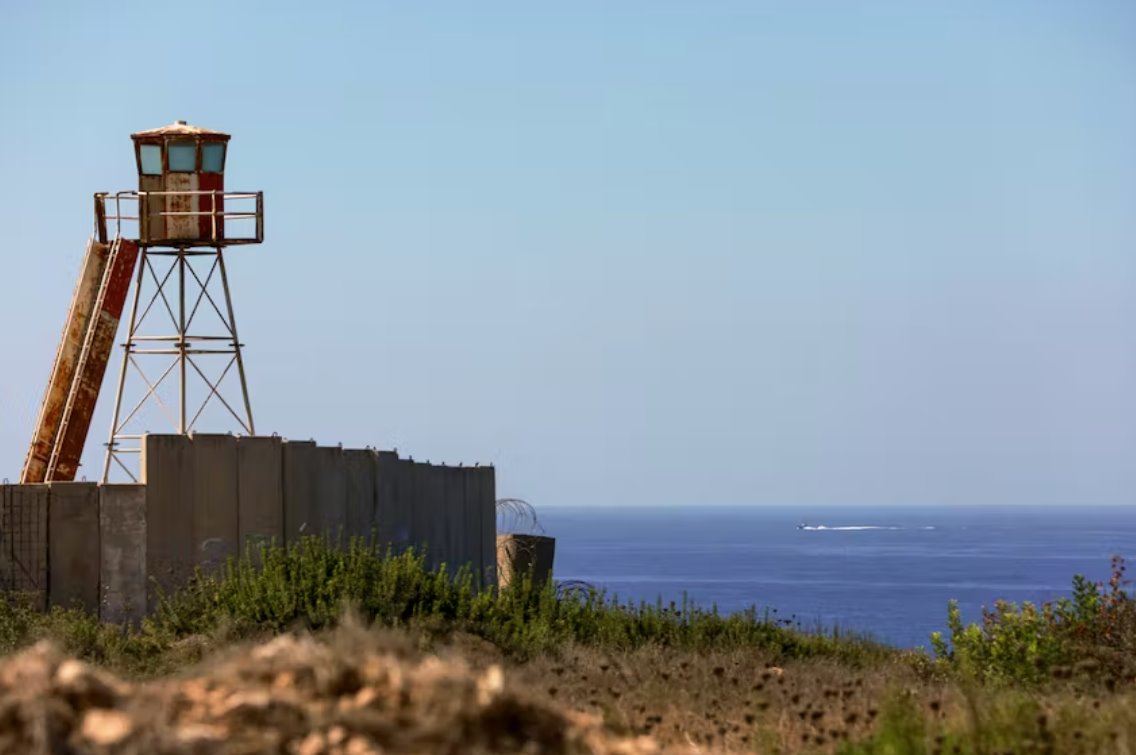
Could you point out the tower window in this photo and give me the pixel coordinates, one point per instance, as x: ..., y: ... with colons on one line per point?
x: 212, y: 157
x: 150, y: 159
x: 183, y: 157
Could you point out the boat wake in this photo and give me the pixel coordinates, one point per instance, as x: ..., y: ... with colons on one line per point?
x: 855, y: 527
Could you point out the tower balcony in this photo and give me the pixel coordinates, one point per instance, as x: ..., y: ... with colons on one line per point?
x: 181, y: 218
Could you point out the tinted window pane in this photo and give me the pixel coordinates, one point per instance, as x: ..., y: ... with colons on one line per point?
x: 183, y: 157
x: 151, y: 157
x: 212, y: 157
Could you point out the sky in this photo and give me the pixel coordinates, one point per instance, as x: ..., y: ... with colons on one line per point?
x: 636, y: 253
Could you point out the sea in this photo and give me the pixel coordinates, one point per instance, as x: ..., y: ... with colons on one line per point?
x: 887, y: 572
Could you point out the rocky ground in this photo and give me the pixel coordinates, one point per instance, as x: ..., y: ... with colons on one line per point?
x: 356, y: 693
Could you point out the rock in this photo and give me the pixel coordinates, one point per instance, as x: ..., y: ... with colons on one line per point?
x: 106, y: 727
x: 352, y: 696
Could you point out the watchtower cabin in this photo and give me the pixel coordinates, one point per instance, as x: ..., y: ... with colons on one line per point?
x: 181, y: 178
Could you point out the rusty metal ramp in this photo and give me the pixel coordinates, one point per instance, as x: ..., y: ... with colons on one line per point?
x: 80, y: 362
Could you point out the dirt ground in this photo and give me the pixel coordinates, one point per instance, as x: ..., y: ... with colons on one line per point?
x: 356, y: 691
x: 353, y: 693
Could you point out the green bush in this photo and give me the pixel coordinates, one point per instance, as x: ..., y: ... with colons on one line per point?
x: 311, y: 584
x: 1094, y: 630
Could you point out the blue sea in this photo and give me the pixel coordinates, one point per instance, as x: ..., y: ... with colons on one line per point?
x: 888, y: 572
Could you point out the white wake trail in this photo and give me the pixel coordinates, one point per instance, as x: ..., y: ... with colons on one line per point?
x: 856, y: 527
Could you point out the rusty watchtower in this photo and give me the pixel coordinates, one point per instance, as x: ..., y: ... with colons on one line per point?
x: 185, y: 220
x: 181, y: 342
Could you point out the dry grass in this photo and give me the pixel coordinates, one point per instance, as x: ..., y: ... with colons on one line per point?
x: 353, y: 691
x: 736, y: 701
x: 581, y: 674
x: 741, y: 702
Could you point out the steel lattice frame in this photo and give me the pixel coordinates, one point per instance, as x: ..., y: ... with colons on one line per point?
x: 181, y: 289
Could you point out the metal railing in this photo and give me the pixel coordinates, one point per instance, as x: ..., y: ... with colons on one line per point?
x: 114, y: 218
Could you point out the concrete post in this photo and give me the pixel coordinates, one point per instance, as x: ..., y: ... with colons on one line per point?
x: 517, y: 554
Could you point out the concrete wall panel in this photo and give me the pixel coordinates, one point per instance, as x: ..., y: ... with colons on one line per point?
x: 73, y: 545
x: 301, y: 515
x: 392, y: 512
x: 361, y: 476
x: 457, y: 536
x: 260, y: 492
x: 331, y: 492
x: 215, y: 496
x: 437, y: 532
x: 6, y: 565
x: 487, y: 505
x: 471, y: 523
x: 428, y: 534
x: 122, y: 553
x: 407, y: 480
x: 408, y: 486
x: 24, y: 539
x: 168, y: 471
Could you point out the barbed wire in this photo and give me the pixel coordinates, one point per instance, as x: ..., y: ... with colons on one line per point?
x: 517, y: 516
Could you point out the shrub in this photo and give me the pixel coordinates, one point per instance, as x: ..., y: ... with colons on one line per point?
x: 1093, y: 630
x: 311, y: 584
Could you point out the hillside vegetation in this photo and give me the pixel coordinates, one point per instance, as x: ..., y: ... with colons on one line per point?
x: 568, y: 670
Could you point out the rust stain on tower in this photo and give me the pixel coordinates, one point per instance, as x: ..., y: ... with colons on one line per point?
x: 80, y: 362
x: 66, y: 358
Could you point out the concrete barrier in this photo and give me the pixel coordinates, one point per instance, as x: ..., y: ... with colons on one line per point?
x: 118, y: 547
x: 23, y: 538
x: 435, y: 534
x: 169, y: 473
x: 73, y: 545
x: 301, y: 512
x: 458, y: 540
x: 392, y: 509
x: 215, y: 503
x: 361, y: 468
x: 260, y: 492
x: 517, y: 554
x: 331, y: 492
x: 471, y: 524
x: 487, y: 506
x: 122, y: 553
x: 426, y: 503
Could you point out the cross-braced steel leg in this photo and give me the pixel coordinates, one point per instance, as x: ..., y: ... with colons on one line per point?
x: 188, y: 349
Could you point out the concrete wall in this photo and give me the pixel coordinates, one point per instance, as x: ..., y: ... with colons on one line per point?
x: 260, y: 492
x: 73, y: 545
x: 122, y: 553
x: 205, y: 498
x: 169, y: 473
x: 23, y: 540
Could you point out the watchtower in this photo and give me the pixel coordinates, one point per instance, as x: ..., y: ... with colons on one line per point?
x: 182, y: 328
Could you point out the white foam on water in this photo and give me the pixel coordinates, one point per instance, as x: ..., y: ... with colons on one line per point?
x: 857, y: 527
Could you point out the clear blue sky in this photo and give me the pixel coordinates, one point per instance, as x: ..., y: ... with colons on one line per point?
x: 636, y: 252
